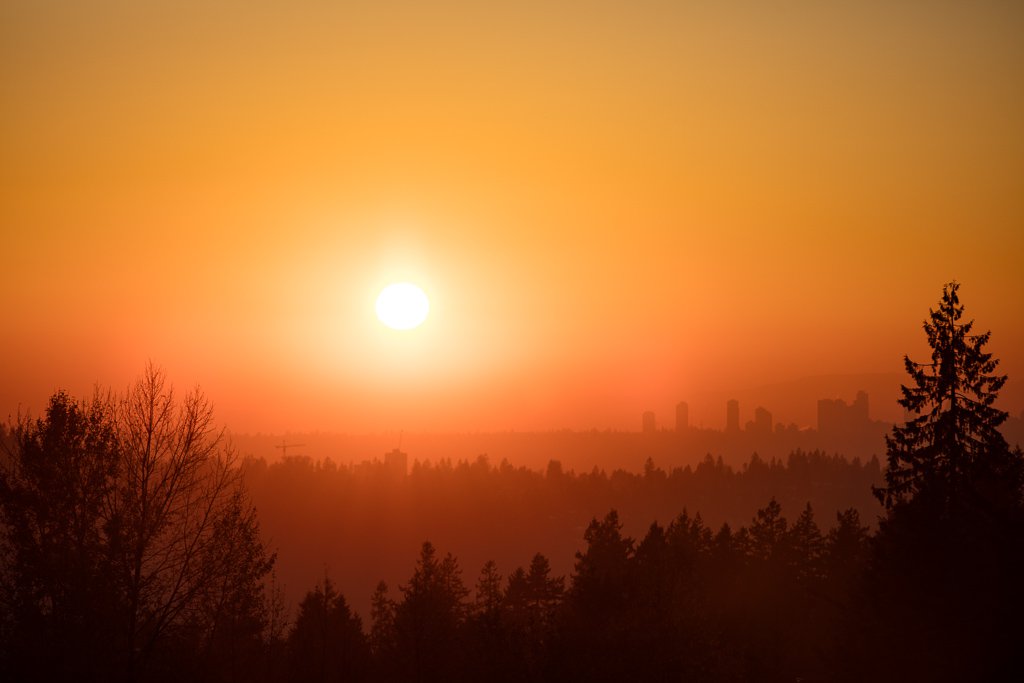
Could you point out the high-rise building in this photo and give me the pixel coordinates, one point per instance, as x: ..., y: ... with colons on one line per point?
x: 648, y: 422
x: 860, y: 407
x: 835, y: 417
x: 397, y: 463
x: 682, y: 416
x: 762, y: 421
x: 732, y: 415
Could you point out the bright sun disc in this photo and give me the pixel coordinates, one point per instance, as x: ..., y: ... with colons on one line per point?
x: 402, y: 306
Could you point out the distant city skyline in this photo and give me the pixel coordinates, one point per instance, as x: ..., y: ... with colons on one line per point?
x: 834, y: 416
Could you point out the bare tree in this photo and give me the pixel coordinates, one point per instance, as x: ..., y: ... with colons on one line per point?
x: 184, y: 540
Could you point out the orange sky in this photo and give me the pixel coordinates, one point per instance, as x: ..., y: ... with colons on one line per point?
x: 613, y: 206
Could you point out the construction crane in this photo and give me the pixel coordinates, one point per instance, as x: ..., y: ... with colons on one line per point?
x: 284, y: 446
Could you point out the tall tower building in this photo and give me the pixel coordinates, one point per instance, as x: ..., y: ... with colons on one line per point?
x: 762, y: 421
x: 397, y: 463
x: 732, y: 415
x: 682, y: 416
x: 648, y: 422
x: 860, y: 407
x: 838, y: 419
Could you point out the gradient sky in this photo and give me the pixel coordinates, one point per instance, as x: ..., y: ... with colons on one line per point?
x: 612, y: 205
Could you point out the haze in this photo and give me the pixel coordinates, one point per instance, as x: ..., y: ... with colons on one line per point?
x: 612, y: 207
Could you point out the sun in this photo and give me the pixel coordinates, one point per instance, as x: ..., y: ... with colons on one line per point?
x: 402, y: 306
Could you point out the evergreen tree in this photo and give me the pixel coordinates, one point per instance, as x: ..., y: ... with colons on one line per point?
x: 428, y: 621
x: 768, y: 540
x: 805, y: 631
x: 846, y: 546
x: 544, y: 592
x: 688, y: 537
x: 327, y: 641
x: 487, y: 647
x: 383, y: 636
x: 954, y: 436
x: 596, y: 627
x: 943, y: 584
x: 488, y: 592
x: 600, y: 578
x: 528, y: 612
x: 845, y: 559
x: 806, y: 546
x: 766, y: 611
x: 517, y: 594
x: 382, y: 616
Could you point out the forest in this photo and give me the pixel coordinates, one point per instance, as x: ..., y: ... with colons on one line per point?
x: 137, y: 546
x: 365, y: 523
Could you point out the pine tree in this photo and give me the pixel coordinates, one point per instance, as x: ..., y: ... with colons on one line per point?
x: 846, y: 546
x: 382, y: 617
x: 596, y: 619
x: 488, y: 591
x: 545, y: 592
x: 943, y: 581
x: 600, y: 580
x: 955, y: 436
x: 430, y: 617
x: 327, y: 641
x: 806, y: 547
x: 768, y: 540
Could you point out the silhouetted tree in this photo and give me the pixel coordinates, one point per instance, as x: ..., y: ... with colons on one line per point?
x: 844, y: 562
x: 62, y: 609
x: 955, y: 435
x: 944, y: 581
x: 767, y: 540
x: 178, y: 520
x: 428, y: 620
x: 232, y: 611
x: 382, y: 617
x: 528, y: 614
x: 603, y: 566
x: 595, y: 627
x: 488, y: 652
x: 488, y: 592
x: 132, y: 547
x: 666, y: 623
x: 383, y: 637
x: 807, y: 631
x: 275, y: 632
x: 763, y: 617
x: 544, y: 592
x: 846, y: 545
x: 327, y: 642
x: 806, y: 547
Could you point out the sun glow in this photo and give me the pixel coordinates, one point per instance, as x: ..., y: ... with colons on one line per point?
x: 402, y: 306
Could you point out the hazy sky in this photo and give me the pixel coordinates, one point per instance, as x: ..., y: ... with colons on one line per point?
x: 612, y: 205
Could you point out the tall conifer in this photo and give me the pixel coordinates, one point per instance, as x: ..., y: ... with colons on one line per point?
x: 952, y: 436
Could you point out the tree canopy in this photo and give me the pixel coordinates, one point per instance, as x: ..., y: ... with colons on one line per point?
x: 128, y: 540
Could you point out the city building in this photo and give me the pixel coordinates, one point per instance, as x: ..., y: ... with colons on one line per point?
x: 732, y: 415
x: 396, y: 462
x: 762, y: 421
x: 835, y: 417
x: 682, y: 416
